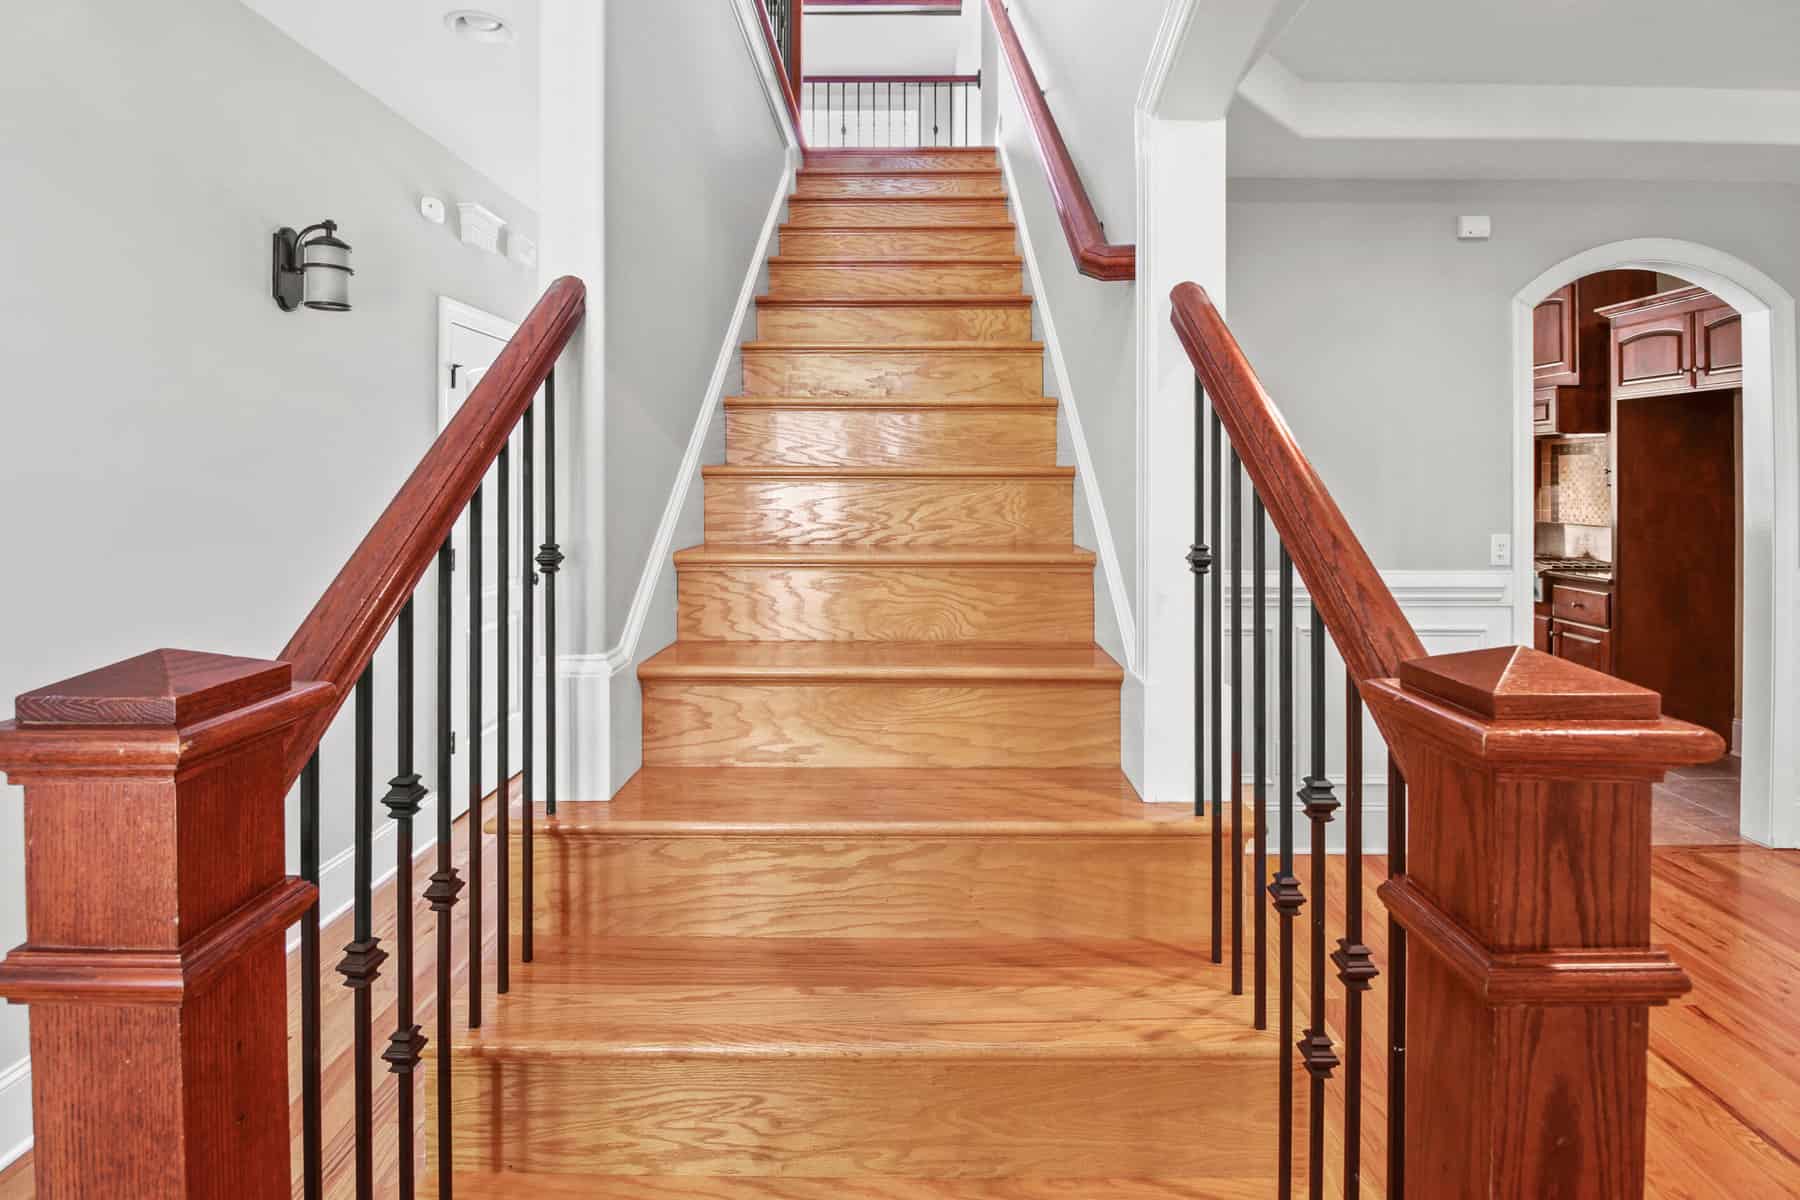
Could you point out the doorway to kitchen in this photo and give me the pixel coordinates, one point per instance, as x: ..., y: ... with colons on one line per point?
x: 1655, y: 477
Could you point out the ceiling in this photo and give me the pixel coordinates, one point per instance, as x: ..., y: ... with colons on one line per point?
x: 1662, y: 43
x: 478, y: 99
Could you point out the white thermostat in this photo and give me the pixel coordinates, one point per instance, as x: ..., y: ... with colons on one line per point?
x: 1474, y: 229
x: 432, y: 209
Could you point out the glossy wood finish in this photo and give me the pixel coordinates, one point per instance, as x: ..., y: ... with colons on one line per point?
x: 936, y: 370
x: 337, y: 639
x: 919, y: 241
x: 999, y: 275
x: 156, y: 909
x: 887, y: 434
x: 1095, y: 257
x: 1570, y: 337
x: 816, y: 183
x: 854, y: 506
x: 870, y: 1187
x: 900, y: 210
x: 785, y: 72
x: 828, y: 594
x: 810, y: 319
x: 1685, y: 340
x: 849, y: 1057
x: 926, y: 157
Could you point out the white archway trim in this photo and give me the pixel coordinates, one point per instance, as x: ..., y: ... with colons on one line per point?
x: 1770, y: 811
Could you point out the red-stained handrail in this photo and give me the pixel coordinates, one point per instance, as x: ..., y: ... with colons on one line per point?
x: 1095, y: 257
x: 340, y: 635
x: 781, y: 72
x: 1365, y: 620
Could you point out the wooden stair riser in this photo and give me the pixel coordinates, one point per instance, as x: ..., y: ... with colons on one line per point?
x: 925, y: 373
x: 883, y: 886
x: 1026, y: 605
x: 820, y: 1117
x: 879, y: 723
x: 940, y: 159
x: 901, y: 183
x: 897, y: 322
x: 801, y: 242
x: 901, y: 511
x: 918, y: 437
x: 965, y: 210
x: 910, y: 279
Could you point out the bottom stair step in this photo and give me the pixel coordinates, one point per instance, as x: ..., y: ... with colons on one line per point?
x: 843, y: 1058
x: 497, y: 1185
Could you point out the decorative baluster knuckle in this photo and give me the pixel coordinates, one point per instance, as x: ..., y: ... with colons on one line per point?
x: 1355, y: 963
x: 361, y: 964
x: 404, y: 1051
x: 1317, y: 1054
x: 1285, y: 894
x: 550, y: 558
x: 1200, y: 558
x: 1317, y: 798
x: 443, y: 891
x: 405, y: 797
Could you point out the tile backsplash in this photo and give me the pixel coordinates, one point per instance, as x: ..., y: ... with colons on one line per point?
x: 1573, y: 487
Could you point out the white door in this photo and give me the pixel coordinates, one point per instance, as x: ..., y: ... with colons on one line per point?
x: 468, y: 343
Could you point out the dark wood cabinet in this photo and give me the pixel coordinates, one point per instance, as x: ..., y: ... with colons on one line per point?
x: 1677, y: 341
x: 1540, y: 633
x: 1571, y: 384
x: 1583, y: 644
x: 1574, y: 621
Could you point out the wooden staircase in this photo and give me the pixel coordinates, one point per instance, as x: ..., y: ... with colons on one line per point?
x: 880, y: 916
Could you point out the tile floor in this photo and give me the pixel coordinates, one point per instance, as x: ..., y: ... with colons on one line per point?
x: 1697, y: 806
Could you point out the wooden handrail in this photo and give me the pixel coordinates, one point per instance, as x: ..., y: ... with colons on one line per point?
x: 1095, y: 257
x: 1365, y: 620
x: 781, y: 72
x: 340, y: 635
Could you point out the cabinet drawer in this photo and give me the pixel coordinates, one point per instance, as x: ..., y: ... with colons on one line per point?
x: 1591, y: 648
x: 1580, y: 604
x: 1543, y: 410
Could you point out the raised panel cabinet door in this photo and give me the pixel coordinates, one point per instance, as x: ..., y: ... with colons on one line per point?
x: 1555, y: 350
x: 1540, y: 634
x: 1543, y: 410
x: 1591, y: 648
x: 1719, y: 347
x: 1654, y: 356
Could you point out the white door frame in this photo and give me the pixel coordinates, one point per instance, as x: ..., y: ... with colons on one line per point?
x: 1770, y: 810
x: 450, y: 314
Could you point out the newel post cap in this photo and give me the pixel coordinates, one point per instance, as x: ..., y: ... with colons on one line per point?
x: 163, y: 689
x: 1519, y: 683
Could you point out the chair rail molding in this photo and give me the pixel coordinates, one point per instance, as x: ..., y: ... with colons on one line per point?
x: 1770, y: 812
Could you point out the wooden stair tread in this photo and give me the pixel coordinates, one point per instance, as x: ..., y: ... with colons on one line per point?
x: 887, y: 171
x: 508, y: 1185
x: 790, y: 227
x: 942, y: 300
x: 872, y: 802
x: 895, y: 347
x: 911, y: 260
x: 890, y: 662
x: 890, y: 403
x: 818, y: 474
x: 856, y: 998
x: 726, y: 554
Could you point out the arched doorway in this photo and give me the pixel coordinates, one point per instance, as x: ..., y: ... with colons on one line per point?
x: 1770, y: 813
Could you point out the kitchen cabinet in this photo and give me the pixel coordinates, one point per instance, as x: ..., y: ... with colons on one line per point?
x: 1570, y: 381
x: 1574, y: 621
x: 1540, y: 633
x: 1583, y: 645
x: 1683, y: 340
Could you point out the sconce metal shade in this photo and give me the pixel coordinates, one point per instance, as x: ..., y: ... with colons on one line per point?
x: 311, y: 267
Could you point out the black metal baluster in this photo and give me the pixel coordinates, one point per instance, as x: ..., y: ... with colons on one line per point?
x: 1355, y: 962
x: 1396, y: 1177
x: 503, y: 714
x: 528, y: 657
x: 1319, y: 803
x: 843, y: 117
x: 475, y: 776
x: 887, y: 120
x: 446, y: 885
x: 1259, y: 667
x: 312, y: 1125
x: 1200, y: 559
x: 1235, y: 781
x: 1284, y: 889
x: 549, y: 560
x: 362, y: 960
x: 1218, y: 696
x: 953, y: 114
x: 405, y: 793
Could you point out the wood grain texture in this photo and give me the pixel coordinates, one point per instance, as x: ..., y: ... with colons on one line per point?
x: 998, y: 275
x: 928, y: 371
x: 942, y: 1060
x: 881, y: 724
x: 509, y: 1185
x: 920, y: 241
x: 890, y: 510
x: 817, y: 184
x: 924, y: 436
x: 1094, y: 255
x: 932, y: 157
x: 903, y: 210
x: 829, y: 599
x: 893, y: 319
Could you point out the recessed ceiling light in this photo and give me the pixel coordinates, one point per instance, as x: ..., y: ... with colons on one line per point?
x: 478, y: 26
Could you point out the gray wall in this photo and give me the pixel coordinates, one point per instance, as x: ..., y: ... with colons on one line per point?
x: 693, y: 156
x: 1094, y: 68
x: 187, y: 465
x: 1387, y: 342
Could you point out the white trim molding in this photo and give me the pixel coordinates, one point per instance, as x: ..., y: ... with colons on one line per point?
x: 15, y: 1110
x: 1770, y: 789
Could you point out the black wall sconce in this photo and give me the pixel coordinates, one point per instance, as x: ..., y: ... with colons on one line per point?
x: 312, y: 267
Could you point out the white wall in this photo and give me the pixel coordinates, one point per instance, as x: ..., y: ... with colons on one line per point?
x: 886, y: 44
x: 188, y: 465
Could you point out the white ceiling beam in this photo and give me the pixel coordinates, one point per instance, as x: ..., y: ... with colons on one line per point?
x: 1203, y: 52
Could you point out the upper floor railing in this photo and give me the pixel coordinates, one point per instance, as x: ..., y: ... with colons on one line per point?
x: 1517, y: 847
x: 1094, y: 255
x: 158, y: 900
x: 901, y: 111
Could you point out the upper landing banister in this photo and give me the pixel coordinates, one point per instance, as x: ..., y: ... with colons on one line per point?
x: 340, y: 635
x: 1095, y: 257
x: 1372, y: 634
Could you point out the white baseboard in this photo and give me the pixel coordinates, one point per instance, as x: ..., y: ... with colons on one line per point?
x: 15, y: 1113
x: 584, y: 739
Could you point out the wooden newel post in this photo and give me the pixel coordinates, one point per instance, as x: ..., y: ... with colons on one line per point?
x: 157, y: 901
x: 1526, y: 902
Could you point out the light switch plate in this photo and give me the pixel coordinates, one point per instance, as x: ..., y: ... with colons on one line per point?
x: 1500, y: 550
x: 1474, y: 229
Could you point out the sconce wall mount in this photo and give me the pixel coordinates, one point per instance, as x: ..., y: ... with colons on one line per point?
x: 311, y: 267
